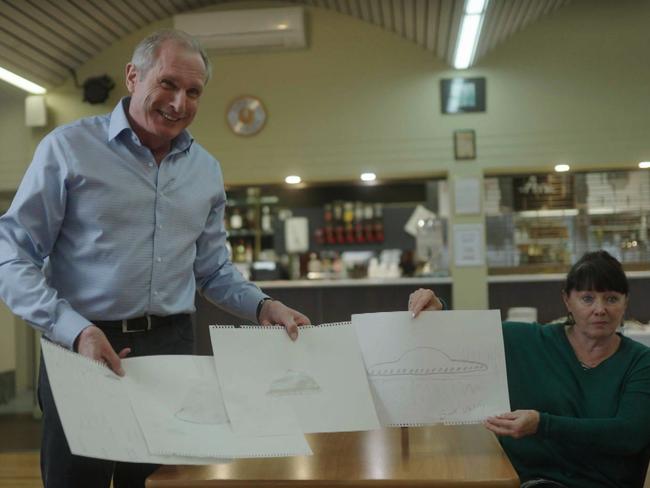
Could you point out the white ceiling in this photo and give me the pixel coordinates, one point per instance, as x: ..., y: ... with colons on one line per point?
x: 44, y: 40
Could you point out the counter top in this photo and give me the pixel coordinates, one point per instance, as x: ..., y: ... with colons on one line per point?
x: 518, y: 278
x: 424, y: 281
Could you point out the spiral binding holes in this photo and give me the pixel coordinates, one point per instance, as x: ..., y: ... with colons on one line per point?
x: 279, y: 327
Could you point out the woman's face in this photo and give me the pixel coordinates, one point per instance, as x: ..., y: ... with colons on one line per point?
x: 597, y: 313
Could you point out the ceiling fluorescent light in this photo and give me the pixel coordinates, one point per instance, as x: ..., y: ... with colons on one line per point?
x: 562, y: 168
x: 21, y: 82
x: 292, y: 179
x: 470, y: 30
x: 475, y: 6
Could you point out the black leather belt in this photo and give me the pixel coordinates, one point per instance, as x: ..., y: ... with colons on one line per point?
x: 142, y: 324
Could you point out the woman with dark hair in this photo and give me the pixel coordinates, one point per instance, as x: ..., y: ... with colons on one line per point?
x: 579, y: 391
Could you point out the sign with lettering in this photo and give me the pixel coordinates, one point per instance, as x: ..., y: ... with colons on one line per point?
x: 541, y: 192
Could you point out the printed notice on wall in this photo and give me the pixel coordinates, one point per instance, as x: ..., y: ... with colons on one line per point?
x: 468, y: 245
x: 467, y: 196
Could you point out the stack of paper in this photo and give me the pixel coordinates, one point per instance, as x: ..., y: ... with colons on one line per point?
x: 261, y: 392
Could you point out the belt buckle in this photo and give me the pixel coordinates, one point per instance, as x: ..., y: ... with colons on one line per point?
x: 125, y: 325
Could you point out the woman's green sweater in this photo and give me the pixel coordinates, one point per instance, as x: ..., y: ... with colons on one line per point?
x: 594, y: 424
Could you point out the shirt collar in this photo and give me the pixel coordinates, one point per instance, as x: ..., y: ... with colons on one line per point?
x: 120, y: 123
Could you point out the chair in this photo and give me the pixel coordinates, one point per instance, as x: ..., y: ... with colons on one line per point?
x: 522, y: 314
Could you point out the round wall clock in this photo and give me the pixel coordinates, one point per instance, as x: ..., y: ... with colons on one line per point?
x: 246, y: 115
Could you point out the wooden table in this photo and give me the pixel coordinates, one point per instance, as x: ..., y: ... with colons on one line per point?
x: 450, y: 456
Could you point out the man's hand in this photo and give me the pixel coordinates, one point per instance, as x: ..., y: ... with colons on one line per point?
x: 423, y: 299
x: 277, y: 313
x: 92, y: 343
x: 517, y: 424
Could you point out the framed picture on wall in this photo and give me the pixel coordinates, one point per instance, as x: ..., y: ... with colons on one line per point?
x: 464, y: 144
x: 461, y: 95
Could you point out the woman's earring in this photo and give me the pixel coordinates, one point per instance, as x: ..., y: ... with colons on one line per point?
x: 569, y: 319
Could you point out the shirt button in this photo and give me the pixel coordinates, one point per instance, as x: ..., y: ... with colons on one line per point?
x: 159, y: 259
x: 159, y: 226
x: 150, y: 165
x: 155, y: 292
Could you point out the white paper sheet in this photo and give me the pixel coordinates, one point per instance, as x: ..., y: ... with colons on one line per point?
x: 96, y: 414
x: 319, y: 379
x: 96, y: 411
x: 178, y: 404
x: 441, y: 367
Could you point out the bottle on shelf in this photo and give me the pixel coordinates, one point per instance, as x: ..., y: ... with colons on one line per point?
x: 339, y: 226
x: 328, y: 217
x: 236, y: 221
x: 359, y: 237
x: 368, y: 215
x: 378, y: 222
x: 266, y: 222
x: 251, y: 218
x: 348, y: 221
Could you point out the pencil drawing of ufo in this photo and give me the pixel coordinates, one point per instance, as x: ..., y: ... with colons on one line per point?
x: 202, y: 404
x: 293, y: 383
x: 422, y: 361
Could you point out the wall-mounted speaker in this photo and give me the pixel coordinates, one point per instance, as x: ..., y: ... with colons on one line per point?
x: 35, y: 111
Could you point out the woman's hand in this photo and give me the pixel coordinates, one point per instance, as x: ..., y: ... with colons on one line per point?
x: 517, y: 424
x: 423, y: 299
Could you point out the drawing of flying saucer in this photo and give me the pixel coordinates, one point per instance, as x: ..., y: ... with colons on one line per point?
x: 423, y: 361
x: 293, y: 383
x: 202, y: 405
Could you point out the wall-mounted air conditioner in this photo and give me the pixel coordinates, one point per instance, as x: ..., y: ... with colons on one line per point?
x: 246, y: 30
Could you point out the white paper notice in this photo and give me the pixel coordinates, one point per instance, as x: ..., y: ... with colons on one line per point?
x: 441, y: 367
x: 178, y: 403
x: 319, y: 379
x: 95, y: 410
x: 467, y: 196
x: 469, y: 249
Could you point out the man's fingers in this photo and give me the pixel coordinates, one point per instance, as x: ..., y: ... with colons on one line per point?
x: 113, y: 361
x: 302, y: 319
x: 292, y: 330
x: 124, y: 352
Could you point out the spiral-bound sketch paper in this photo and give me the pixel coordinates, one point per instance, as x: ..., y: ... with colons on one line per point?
x: 95, y: 411
x: 319, y: 379
x: 179, y: 406
x: 99, y: 420
x: 441, y: 367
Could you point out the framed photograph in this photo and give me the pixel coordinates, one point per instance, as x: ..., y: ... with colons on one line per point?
x: 464, y: 144
x: 461, y: 95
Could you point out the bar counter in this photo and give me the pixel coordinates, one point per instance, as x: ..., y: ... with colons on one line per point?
x: 326, y: 301
x: 544, y: 292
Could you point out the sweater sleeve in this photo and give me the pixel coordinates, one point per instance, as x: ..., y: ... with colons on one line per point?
x: 628, y: 432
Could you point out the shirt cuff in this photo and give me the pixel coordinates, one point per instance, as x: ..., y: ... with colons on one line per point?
x: 67, y: 327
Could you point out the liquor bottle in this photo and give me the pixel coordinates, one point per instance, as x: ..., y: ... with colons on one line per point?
x: 378, y: 225
x: 368, y: 227
x: 348, y: 221
x: 339, y: 226
x: 267, y: 225
x: 359, y: 238
x: 236, y: 222
x: 328, y: 217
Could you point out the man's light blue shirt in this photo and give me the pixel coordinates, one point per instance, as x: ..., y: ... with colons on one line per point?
x: 99, y: 231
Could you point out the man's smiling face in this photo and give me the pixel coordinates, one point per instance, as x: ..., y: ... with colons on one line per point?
x: 165, y: 99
